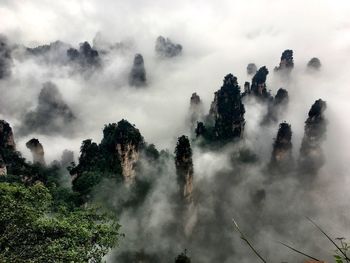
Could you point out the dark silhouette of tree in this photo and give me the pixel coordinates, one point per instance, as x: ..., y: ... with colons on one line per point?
x: 183, y: 258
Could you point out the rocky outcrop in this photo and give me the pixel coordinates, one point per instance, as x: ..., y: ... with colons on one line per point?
x: 251, y: 69
x: 51, y: 116
x: 228, y: 111
x: 137, y: 77
x: 196, y: 110
x: 184, y: 168
x: 114, y: 159
x: 6, y: 136
x: 314, y: 64
x: 166, y: 48
x: 116, y: 155
x: 311, y: 154
x: 37, y: 151
x: 5, y: 58
x: 128, y: 156
x: 259, y: 84
x: 225, y: 121
x: 247, y: 87
x: 286, y: 63
x: 86, y: 56
x: 281, y: 158
x: 127, y: 141
x: 276, y: 107
x: 10, y: 160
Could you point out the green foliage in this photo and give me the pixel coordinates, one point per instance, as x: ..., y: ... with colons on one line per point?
x: 345, y: 248
x: 151, y: 152
x: 103, y: 160
x: 86, y: 181
x: 225, y: 122
x: 123, y: 132
x: 230, y: 122
x: 183, y: 149
x: 32, y: 231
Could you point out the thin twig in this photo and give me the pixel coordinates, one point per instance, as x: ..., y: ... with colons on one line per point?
x: 302, y: 253
x: 246, y: 240
x: 330, y: 239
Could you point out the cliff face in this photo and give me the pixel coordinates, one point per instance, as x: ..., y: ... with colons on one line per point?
x: 281, y: 157
x: 184, y: 168
x: 6, y: 136
x: 311, y: 154
x: 166, y: 48
x: 228, y: 111
x: 128, y: 155
x: 11, y: 160
x: 287, y: 62
x: 37, y: 151
x: 137, y: 75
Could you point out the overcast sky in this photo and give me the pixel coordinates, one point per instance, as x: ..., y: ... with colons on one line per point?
x: 218, y: 37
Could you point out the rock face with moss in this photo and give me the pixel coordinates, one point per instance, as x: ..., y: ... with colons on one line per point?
x: 281, y: 157
x: 11, y: 161
x: 6, y: 136
x: 127, y: 142
x: 184, y: 167
x: 115, y: 157
x: 37, y: 151
x: 311, y: 154
x: 286, y: 63
x: 228, y: 111
x: 137, y: 77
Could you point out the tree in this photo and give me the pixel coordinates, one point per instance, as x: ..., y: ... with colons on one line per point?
x: 183, y: 258
x: 32, y: 231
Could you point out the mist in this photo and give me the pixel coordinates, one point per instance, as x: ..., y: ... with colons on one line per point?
x: 217, y: 39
